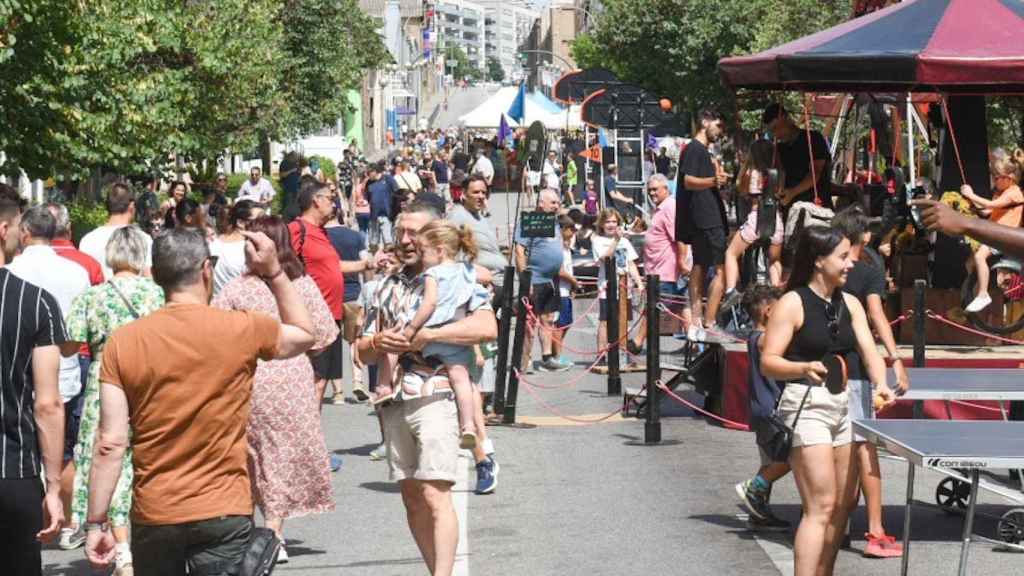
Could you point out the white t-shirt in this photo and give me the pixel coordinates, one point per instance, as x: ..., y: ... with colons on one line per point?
x: 65, y: 280
x: 624, y: 254
x: 550, y: 176
x: 564, y: 288
x: 261, y: 191
x: 95, y: 244
x: 485, y: 168
x: 230, y: 262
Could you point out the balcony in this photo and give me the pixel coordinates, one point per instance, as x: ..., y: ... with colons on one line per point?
x: 407, y: 8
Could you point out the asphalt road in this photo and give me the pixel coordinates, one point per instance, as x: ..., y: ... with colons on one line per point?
x: 593, y: 500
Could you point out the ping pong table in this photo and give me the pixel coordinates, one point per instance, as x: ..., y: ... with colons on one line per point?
x: 944, y: 445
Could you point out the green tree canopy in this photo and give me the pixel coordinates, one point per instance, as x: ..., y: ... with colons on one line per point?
x: 127, y: 83
x: 495, y: 73
x: 672, y: 47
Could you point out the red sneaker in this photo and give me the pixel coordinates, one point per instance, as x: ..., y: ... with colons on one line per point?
x: 883, y: 546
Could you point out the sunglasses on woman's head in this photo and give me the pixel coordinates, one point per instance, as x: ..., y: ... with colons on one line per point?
x: 833, y: 319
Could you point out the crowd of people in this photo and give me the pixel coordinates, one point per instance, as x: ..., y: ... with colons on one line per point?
x: 218, y: 324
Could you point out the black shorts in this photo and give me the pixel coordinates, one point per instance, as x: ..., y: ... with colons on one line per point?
x: 327, y: 365
x: 544, y: 298
x: 709, y: 247
x: 21, y: 507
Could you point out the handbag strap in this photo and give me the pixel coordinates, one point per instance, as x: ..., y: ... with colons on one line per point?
x: 131, y: 309
x: 801, y: 408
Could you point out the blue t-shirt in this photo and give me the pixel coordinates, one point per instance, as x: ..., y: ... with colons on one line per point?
x: 764, y: 392
x: 348, y: 243
x: 544, y: 256
x: 440, y: 171
x: 380, y: 198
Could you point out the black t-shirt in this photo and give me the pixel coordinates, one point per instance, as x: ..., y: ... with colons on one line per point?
x: 697, y: 209
x: 663, y: 164
x: 460, y: 161
x: 866, y: 277
x: 796, y: 162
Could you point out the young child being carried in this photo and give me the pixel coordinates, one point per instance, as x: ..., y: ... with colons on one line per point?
x: 449, y: 285
x: 753, y: 183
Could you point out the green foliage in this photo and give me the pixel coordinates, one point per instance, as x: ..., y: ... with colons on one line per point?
x: 327, y: 166
x: 458, y: 65
x: 495, y: 73
x: 125, y: 84
x: 672, y: 47
x: 85, y: 214
x: 1006, y: 122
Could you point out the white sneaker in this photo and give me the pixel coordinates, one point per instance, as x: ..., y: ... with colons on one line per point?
x: 71, y: 538
x: 123, y: 561
x: 282, y: 556
x: 979, y: 303
x: 694, y: 331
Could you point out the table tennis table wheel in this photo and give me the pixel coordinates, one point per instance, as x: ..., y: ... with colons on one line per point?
x: 1011, y: 526
x: 952, y: 495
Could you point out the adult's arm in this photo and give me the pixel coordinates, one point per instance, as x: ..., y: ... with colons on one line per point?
x: 620, y: 197
x: 520, y: 257
x: 786, y: 318
x: 938, y: 216
x: 296, y: 334
x: 49, y: 419
x: 682, y: 251
x: 876, y: 313
x: 866, y: 346
x: 806, y: 184
x: 111, y: 443
x: 695, y: 183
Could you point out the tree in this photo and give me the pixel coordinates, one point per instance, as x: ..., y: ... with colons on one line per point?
x: 495, y: 73
x: 672, y: 47
x: 127, y: 83
x: 457, y: 63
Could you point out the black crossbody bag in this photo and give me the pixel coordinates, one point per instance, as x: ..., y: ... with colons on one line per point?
x: 261, y: 554
x: 774, y: 436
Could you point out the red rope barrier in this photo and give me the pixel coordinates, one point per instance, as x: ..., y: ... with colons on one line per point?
x: 978, y: 406
x: 556, y: 412
x: 700, y: 410
x: 970, y: 330
x: 555, y: 332
x: 569, y: 384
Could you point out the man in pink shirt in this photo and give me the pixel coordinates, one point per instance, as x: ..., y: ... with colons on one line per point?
x: 662, y: 254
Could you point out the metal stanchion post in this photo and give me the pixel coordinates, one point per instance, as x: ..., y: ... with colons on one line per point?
x: 919, y: 336
x: 504, y: 329
x: 652, y: 427
x: 509, y: 413
x: 612, y: 313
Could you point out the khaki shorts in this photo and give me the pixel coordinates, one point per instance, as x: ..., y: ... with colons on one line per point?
x: 825, y: 418
x: 422, y: 438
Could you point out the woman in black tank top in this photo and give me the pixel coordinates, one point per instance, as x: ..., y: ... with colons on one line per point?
x: 815, y: 320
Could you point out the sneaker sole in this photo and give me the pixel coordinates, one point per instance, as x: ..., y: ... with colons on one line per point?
x: 489, y: 490
x: 71, y: 545
x: 882, y: 555
x: 742, y: 493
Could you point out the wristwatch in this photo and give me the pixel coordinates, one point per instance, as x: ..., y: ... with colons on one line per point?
x: 101, y: 526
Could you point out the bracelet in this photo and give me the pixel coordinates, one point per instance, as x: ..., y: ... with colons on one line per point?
x: 273, y: 276
x: 101, y: 526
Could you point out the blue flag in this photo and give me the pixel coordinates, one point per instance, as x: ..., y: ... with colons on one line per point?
x: 517, y: 111
x: 602, y: 137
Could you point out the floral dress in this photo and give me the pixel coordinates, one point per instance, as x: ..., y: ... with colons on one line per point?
x: 93, y: 317
x: 288, y: 461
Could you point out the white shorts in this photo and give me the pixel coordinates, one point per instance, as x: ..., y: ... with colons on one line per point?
x: 825, y: 418
x: 748, y: 231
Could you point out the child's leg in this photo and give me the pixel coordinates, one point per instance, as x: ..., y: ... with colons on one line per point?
x: 732, y: 261
x: 458, y: 378
x: 981, y: 264
x: 775, y: 264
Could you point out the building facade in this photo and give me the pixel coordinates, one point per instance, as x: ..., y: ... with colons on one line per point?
x: 461, y: 23
x: 507, y: 28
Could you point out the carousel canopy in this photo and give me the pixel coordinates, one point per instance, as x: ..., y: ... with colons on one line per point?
x: 952, y: 46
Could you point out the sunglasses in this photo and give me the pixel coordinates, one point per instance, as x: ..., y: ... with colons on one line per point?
x: 832, y: 316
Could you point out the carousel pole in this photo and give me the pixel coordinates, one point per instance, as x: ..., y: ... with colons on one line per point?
x: 910, y: 142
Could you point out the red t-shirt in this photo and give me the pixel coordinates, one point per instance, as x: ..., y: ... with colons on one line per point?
x: 322, y: 262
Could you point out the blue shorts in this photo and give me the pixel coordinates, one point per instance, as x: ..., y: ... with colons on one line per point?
x: 565, y: 312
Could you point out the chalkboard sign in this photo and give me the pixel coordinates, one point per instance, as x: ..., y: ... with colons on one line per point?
x: 537, y: 224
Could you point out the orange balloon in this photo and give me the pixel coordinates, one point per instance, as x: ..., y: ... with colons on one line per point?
x: 666, y: 104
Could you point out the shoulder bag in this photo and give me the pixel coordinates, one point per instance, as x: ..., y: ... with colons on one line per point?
x: 261, y: 554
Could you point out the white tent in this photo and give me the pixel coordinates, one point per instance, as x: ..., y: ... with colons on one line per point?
x: 488, y: 114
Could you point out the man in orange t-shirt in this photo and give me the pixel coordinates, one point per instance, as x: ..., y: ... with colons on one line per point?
x: 184, y: 374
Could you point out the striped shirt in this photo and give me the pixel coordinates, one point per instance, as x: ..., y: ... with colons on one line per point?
x: 29, y: 317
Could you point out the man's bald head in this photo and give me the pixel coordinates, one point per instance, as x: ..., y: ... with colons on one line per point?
x: 548, y: 200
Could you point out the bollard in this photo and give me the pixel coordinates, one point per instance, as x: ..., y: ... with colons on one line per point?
x: 652, y: 426
x: 612, y: 305
x: 509, y: 412
x: 504, y: 328
x: 919, y: 336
